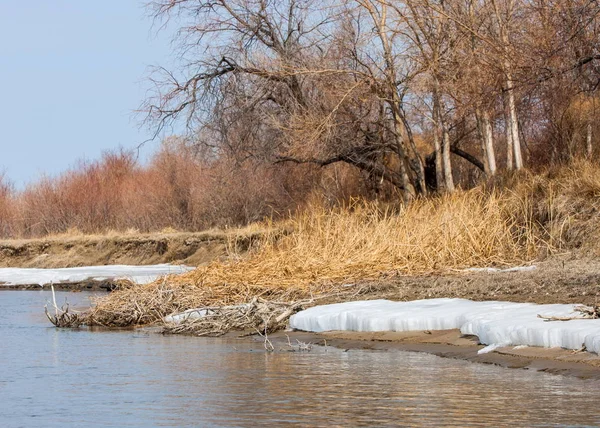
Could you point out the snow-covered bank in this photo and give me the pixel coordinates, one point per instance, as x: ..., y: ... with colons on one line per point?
x: 495, y: 323
x: 137, y: 274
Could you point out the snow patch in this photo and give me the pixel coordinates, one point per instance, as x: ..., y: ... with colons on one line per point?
x: 495, y: 323
x: 497, y: 270
x: 491, y: 348
x: 137, y: 274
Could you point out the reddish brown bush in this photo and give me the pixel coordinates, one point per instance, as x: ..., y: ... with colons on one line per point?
x: 6, y: 202
x: 179, y: 188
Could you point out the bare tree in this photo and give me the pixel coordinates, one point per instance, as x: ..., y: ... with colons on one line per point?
x: 378, y: 84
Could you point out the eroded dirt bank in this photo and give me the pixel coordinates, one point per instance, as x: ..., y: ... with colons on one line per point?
x: 192, y: 249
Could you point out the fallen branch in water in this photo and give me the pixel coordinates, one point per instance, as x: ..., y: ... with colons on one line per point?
x: 62, y: 317
x: 585, y: 313
x: 140, y: 307
x: 301, y: 346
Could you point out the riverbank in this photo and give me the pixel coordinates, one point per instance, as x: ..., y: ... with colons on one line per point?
x: 560, y: 279
x: 63, y: 251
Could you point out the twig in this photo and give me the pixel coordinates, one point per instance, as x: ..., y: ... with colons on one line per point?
x: 585, y: 312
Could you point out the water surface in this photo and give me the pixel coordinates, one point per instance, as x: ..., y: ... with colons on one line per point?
x: 56, y: 378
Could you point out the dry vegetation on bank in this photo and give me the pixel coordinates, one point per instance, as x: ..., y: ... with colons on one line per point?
x: 328, y: 249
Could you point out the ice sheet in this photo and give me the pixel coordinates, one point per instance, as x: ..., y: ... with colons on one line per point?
x: 137, y: 274
x: 495, y: 323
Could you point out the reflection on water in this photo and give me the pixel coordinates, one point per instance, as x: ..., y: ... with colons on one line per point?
x: 52, y: 377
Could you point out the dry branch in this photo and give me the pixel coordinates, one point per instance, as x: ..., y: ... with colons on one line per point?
x: 259, y: 315
x: 585, y: 312
x: 62, y: 317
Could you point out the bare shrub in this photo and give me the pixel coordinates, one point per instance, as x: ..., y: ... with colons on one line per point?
x: 179, y: 188
x: 86, y: 198
x: 6, y: 203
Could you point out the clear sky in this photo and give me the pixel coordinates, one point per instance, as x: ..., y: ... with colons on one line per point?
x: 71, y: 74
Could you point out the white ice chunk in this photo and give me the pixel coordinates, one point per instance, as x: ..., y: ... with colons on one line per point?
x: 190, y: 314
x: 494, y: 323
x: 491, y: 348
x: 137, y: 274
x: 197, y: 313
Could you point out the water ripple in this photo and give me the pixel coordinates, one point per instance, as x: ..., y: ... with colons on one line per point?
x: 54, y: 377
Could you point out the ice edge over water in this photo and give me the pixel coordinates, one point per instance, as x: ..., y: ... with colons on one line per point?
x: 495, y: 323
x: 137, y: 274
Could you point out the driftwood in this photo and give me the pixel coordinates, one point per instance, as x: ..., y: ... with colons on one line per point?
x: 584, y: 313
x: 259, y: 315
x: 62, y: 317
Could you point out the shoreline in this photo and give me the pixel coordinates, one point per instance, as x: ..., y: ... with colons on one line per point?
x: 560, y: 279
x: 452, y: 344
x: 75, y: 286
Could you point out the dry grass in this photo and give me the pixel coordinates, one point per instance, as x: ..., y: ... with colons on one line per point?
x: 564, y: 202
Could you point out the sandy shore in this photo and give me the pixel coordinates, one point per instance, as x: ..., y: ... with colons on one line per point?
x: 452, y: 344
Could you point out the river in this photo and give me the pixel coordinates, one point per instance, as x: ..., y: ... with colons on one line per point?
x: 61, y: 378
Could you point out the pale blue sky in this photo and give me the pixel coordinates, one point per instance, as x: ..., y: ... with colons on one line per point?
x: 71, y: 74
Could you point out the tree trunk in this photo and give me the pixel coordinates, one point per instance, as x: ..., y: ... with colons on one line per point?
x: 509, y: 135
x: 449, y: 181
x: 439, y: 166
x: 442, y: 163
x: 588, y: 140
x: 380, y: 21
x: 418, y: 160
x: 409, y: 190
x: 513, y: 141
x: 437, y: 143
x: 513, y: 118
x: 486, y: 134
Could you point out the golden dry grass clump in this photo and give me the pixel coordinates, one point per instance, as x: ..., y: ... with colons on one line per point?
x: 566, y: 201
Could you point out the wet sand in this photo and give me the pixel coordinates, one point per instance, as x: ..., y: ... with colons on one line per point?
x: 452, y: 344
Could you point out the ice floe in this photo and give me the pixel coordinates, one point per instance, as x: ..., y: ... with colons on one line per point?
x: 137, y: 274
x: 495, y: 323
